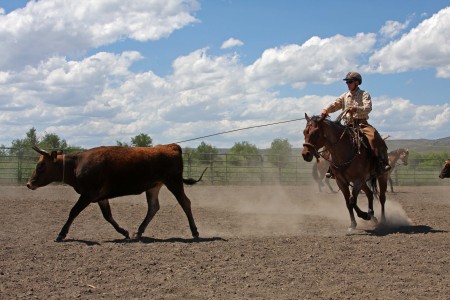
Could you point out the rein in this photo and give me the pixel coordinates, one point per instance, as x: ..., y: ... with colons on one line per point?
x: 318, y: 153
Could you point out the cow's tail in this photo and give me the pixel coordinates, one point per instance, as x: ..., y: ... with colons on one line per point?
x: 192, y: 181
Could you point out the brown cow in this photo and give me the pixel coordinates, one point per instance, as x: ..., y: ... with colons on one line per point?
x: 102, y: 173
x: 445, y: 173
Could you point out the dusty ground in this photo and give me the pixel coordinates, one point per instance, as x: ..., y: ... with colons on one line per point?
x: 256, y: 242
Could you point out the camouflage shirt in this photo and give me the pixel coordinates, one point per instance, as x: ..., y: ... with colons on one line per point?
x: 359, y: 99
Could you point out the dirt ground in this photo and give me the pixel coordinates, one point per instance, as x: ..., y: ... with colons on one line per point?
x: 256, y: 243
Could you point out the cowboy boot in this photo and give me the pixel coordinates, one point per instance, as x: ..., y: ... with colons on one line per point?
x: 383, y: 161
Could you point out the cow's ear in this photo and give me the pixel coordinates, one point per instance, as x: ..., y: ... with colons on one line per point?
x: 53, y: 155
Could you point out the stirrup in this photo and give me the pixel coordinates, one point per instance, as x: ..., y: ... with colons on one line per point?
x: 329, y: 175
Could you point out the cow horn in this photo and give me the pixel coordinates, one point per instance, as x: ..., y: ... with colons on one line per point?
x: 40, y: 151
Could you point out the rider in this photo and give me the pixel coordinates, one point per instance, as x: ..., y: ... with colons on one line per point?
x: 359, y: 105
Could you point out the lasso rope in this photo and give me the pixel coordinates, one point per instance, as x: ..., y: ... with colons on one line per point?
x: 239, y: 129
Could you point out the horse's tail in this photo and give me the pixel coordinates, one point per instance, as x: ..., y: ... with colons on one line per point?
x: 373, y: 186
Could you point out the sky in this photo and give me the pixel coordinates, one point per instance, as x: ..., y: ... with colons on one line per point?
x: 98, y: 72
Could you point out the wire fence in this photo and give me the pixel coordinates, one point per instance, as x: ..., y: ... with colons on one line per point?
x: 226, y: 169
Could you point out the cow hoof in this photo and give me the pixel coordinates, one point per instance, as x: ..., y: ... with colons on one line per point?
x: 137, y: 236
x: 59, y: 239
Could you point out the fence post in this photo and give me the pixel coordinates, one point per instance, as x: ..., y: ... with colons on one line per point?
x: 19, y: 165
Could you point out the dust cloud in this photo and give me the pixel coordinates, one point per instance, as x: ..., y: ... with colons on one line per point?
x: 271, y: 210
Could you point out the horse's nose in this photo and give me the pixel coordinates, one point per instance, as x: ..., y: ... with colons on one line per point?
x: 307, y: 156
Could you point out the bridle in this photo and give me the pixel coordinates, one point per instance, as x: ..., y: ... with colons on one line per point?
x: 318, y: 153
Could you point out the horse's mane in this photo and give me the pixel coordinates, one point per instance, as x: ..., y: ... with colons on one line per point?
x: 327, y: 120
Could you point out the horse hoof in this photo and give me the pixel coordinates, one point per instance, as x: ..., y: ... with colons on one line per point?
x: 59, y: 239
x: 374, y: 220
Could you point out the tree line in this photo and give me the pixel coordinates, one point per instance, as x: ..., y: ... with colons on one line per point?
x: 279, y: 152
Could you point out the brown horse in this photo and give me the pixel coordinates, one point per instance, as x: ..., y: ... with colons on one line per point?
x: 394, y: 156
x: 445, y: 172
x: 320, y: 169
x: 352, y: 163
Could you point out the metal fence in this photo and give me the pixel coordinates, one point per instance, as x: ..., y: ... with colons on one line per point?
x: 226, y: 169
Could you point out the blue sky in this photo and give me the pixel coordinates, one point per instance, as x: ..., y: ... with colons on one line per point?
x: 95, y: 72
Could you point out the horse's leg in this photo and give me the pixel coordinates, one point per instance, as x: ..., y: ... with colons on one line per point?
x: 348, y: 201
x: 369, y: 195
x: 327, y: 181
x: 317, y: 176
x: 390, y: 182
x: 382, y: 183
x: 355, y: 192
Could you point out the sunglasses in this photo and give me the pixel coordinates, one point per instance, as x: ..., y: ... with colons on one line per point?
x: 349, y: 81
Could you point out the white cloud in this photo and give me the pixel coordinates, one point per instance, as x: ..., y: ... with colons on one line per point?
x: 393, y: 28
x: 317, y: 60
x: 230, y: 43
x: 58, y: 28
x: 423, y: 47
x: 99, y: 99
x: 402, y: 119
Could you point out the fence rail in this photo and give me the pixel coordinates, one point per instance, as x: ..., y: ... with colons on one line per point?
x: 226, y: 169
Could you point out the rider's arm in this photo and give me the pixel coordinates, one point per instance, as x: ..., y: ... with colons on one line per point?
x: 336, y: 105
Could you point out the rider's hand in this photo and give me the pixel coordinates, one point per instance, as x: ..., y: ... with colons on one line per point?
x: 324, y: 113
x: 352, y: 110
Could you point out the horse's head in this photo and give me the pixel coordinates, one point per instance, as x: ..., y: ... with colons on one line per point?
x: 313, y: 139
x: 445, y: 172
x: 404, y: 153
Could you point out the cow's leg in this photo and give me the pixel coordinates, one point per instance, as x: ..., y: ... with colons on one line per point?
x: 152, y: 209
x: 106, y: 211
x: 81, y: 204
x: 178, y: 191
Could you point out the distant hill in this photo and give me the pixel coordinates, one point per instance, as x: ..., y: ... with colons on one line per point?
x: 421, y: 145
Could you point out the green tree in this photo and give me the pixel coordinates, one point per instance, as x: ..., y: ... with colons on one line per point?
x: 205, y: 152
x: 280, y: 152
x: 141, y: 140
x: 19, y: 146
x: 52, y: 141
x: 123, y: 144
x: 245, y: 152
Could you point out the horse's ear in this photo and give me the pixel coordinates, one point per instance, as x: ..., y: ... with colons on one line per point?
x: 307, y: 118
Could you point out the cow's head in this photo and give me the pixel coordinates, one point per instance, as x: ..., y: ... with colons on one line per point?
x: 47, y: 169
x: 445, y: 173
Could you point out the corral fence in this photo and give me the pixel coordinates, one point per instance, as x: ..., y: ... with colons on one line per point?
x: 16, y: 167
